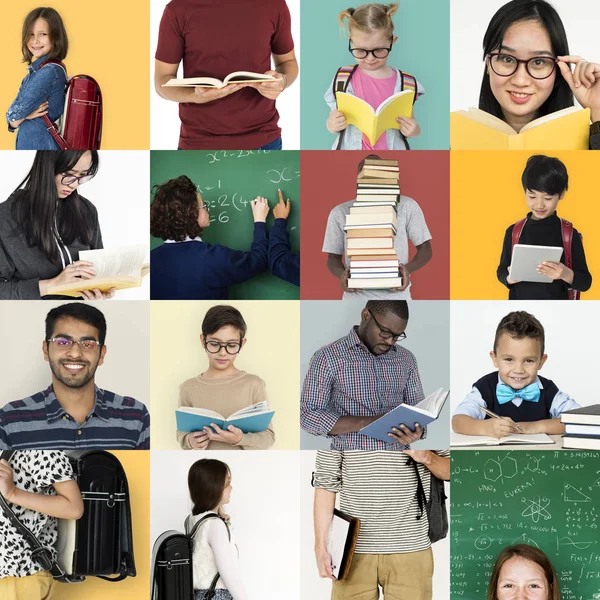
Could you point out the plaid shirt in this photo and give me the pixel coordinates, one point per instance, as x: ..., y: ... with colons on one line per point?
x: 345, y: 378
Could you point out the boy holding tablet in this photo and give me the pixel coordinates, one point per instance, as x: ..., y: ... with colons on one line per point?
x: 545, y: 181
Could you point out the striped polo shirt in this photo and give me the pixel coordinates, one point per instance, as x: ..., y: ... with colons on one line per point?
x: 380, y: 489
x: 40, y: 422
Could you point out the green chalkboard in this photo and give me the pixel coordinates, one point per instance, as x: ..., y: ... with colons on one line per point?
x: 548, y: 499
x: 228, y: 180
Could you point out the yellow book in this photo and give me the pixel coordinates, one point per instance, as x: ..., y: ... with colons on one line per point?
x: 474, y: 129
x: 374, y: 123
x: 118, y: 268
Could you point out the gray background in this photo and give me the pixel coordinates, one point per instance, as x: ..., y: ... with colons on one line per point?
x: 428, y: 338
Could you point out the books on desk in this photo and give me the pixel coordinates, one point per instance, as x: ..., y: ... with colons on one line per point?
x: 119, y: 268
x: 475, y: 129
x: 251, y: 419
x: 459, y: 439
x: 212, y: 82
x: 371, y: 227
x: 582, y: 428
x: 341, y: 542
x: 423, y: 413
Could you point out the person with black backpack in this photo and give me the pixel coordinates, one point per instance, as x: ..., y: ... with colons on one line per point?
x: 39, y: 487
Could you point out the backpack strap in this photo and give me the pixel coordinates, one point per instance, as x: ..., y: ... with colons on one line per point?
x: 421, y: 497
x: 407, y: 82
x: 517, y: 231
x: 566, y: 230
x: 340, y: 84
x: 40, y: 554
x: 50, y: 126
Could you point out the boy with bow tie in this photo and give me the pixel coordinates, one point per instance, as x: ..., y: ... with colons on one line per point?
x: 526, y: 402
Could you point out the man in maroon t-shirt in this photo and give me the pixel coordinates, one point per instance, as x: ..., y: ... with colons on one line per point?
x: 217, y: 38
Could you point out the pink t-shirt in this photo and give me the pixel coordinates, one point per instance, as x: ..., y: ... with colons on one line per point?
x: 374, y: 91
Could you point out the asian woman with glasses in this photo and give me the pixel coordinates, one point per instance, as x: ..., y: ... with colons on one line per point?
x: 223, y: 388
x: 528, y: 68
x: 44, y: 225
x: 371, y: 38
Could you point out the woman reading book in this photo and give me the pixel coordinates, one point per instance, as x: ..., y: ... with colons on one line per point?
x: 42, y: 91
x: 223, y: 388
x: 44, y: 225
x: 528, y: 68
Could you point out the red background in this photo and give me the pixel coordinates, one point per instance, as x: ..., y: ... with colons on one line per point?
x: 328, y: 178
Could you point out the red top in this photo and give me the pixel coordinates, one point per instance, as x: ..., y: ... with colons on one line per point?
x: 214, y: 39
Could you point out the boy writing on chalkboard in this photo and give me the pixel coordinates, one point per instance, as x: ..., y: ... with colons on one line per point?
x: 223, y: 388
x: 411, y: 226
x: 524, y: 401
x: 187, y: 268
x: 283, y: 263
x: 545, y: 181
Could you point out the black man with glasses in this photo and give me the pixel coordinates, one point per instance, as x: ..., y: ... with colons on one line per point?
x: 360, y: 377
x: 223, y: 388
x: 73, y: 413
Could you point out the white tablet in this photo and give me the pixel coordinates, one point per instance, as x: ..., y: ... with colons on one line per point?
x: 525, y: 259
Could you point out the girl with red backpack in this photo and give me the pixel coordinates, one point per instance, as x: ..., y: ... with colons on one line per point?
x: 42, y: 91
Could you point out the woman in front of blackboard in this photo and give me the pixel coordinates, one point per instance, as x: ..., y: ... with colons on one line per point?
x: 523, y: 572
x: 185, y: 267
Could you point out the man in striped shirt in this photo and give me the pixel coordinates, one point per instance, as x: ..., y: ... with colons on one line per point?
x: 393, y: 550
x: 73, y: 413
x: 358, y: 378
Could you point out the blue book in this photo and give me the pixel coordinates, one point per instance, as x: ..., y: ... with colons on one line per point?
x: 251, y: 419
x: 423, y: 413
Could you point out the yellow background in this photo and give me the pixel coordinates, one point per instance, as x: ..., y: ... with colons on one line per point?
x: 108, y: 40
x: 272, y: 352
x: 137, y: 468
x: 487, y: 197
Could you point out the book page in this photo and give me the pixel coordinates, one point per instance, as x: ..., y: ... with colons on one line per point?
x: 433, y: 403
x: 336, y: 542
x: 203, y: 412
x: 259, y: 407
x: 125, y: 261
x: 527, y: 438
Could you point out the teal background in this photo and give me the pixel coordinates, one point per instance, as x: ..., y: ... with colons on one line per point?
x: 422, y: 49
x: 228, y: 180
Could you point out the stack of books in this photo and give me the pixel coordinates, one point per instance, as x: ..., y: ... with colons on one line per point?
x: 582, y: 428
x: 371, y: 227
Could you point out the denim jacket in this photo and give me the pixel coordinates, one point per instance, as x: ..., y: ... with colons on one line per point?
x: 39, y: 85
x: 352, y: 139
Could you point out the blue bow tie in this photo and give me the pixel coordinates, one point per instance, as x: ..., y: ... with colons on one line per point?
x: 505, y: 394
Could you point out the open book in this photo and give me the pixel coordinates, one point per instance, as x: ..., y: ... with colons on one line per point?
x: 119, y: 268
x: 423, y: 413
x: 475, y: 129
x: 525, y: 259
x: 250, y: 419
x: 341, y: 541
x: 212, y: 82
x: 459, y: 439
x: 373, y: 123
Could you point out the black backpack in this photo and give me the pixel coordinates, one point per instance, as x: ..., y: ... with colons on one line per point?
x: 172, y: 573
x: 100, y: 544
x: 437, y: 514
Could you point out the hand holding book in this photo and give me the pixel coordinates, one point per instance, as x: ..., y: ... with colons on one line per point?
x: 232, y: 435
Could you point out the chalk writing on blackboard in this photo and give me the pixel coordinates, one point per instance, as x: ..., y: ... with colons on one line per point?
x: 213, y: 157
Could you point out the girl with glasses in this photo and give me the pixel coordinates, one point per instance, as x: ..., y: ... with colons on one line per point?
x: 42, y: 91
x: 371, y: 38
x: 44, y: 225
x: 223, y: 388
x: 528, y: 68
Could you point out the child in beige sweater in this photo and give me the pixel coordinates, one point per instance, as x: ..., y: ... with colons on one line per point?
x: 222, y: 387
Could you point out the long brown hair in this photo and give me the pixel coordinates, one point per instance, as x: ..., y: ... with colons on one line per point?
x: 206, y: 482
x: 528, y: 553
x: 57, y: 32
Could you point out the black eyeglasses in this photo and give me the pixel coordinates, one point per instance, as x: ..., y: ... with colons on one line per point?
x: 538, y: 67
x: 71, y: 179
x: 363, y: 52
x: 66, y: 344
x: 205, y: 206
x: 230, y: 347
x: 386, y: 334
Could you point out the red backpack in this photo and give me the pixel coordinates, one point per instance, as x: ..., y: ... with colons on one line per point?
x: 566, y: 230
x: 80, y: 127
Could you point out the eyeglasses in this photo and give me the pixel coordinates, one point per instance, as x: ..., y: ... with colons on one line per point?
x: 363, y: 52
x: 230, y: 347
x: 67, y: 344
x: 539, y: 67
x: 206, y: 207
x: 71, y: 179
x: 386, y: 334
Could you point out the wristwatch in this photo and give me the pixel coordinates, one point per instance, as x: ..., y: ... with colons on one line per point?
x: 594, y: 128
